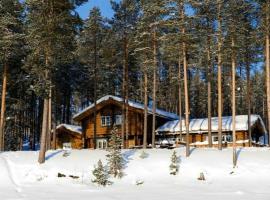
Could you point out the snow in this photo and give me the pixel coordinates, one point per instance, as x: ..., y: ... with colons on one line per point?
x: 201, y: 125
x: 133, y: 104
x: 73, y: 128
x: 21, y: 178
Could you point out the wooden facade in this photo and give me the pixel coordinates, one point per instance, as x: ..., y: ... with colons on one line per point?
x: 198, y: 136
x: 111, y: 108
x: 64, y: 134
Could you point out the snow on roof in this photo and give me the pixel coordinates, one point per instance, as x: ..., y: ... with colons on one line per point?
x: 73, y: 128
x: 131, y: 104
x: 201, y: 125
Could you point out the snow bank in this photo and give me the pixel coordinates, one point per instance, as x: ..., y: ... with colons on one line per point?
x: 34, y: 181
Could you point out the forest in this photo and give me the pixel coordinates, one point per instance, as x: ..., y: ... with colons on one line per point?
x: 196, y: 58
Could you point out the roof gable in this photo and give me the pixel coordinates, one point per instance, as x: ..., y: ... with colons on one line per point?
x: 161, y: 113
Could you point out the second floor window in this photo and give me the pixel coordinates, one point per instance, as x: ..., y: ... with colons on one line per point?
x: 118, y: 119
x: 105, y: 121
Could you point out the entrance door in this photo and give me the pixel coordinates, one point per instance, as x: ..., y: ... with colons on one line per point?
x: 102, y: 143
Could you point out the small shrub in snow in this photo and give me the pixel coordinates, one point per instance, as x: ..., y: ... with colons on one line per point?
x: 115, y: 159
x: 143, y: 155
x: 174, y: 167
x: 139, y: 182
x: 100, y: 174
x: 60, y: 175
x: 201, y: 177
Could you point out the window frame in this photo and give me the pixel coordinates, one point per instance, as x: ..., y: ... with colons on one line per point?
x: 106, y: 121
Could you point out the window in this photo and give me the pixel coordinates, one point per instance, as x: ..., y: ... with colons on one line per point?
x: 102, y: 143
x: 105, y: 120
x: 215, y: 138
x: 118, y: 119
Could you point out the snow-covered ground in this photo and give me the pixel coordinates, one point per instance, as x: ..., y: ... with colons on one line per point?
x: 21, y: 178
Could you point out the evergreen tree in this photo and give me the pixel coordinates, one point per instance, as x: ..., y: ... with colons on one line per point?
x: 100, y: 174
x: 174, y: 167
x: 115, y: 159
x: 46, y: 23
x: 10, y: 44
x: 91, y: 46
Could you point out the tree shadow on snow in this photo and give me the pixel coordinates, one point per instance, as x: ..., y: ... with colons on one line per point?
x: 238, y: 152
x: 53, y: 154
x: 191, y: 150
x: 127, y: 156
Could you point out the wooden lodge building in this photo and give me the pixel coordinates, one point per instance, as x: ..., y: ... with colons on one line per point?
x: 66, y: 133
x: 198, y: 130
x: 109, y: 113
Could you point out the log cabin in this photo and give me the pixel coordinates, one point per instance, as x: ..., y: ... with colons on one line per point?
x: 109, y: 114
x: 198, y: 129
x: 66, y: 133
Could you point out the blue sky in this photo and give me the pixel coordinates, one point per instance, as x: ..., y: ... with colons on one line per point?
x: 104, y: 6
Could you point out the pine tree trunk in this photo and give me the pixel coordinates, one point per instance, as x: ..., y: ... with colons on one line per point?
x: 180, y: 95
x: 95, y: 96
x: 209, y: 97
x: 219, y: 79
x: 48, y: 143
x: 126, y: 91
x: 3, y: 108
x: 267, y: 70
x: 145, y: 109
x: 248, y: 100
x: 42, y: 151
x: 182, y: 13
x: 233, y: 103
x: 154, y: 87
x: 268, y: 84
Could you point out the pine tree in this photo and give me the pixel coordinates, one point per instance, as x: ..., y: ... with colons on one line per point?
x: 47, y: 22
x: 90, y: 52
x: 100, y: 174
x: 124, y: 22
x: 115, y: 159
x: 174, y: 167
x: 10, y: 44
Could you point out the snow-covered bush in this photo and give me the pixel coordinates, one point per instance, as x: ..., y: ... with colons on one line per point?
x: 115, y: 159
x: 174, y: 167
x: 143, y: 155
x: 201, y: 177
x: 100, y: 174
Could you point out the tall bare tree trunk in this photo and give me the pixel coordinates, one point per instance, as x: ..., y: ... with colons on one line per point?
x: 180, y: 95
x: 42, y: 151
x: 3, y: 108
x: 48, y: 143
x: 145, y: 109
x: 233, y: 103
x: 182, y: 13
x: 95, y: 96
x: 154, y: 86
x: 124, y: 131
x: 209, y: 98
x: 267, y: 66
x: 126, y: 92
x: 248, y: 100
x: 219, y: 79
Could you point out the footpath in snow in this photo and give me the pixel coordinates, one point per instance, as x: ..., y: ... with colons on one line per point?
x: 21, y: 178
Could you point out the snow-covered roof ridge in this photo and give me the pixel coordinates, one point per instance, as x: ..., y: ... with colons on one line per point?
x: 73, y: 128
x: 201, y: 125
x: 131, y: 104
